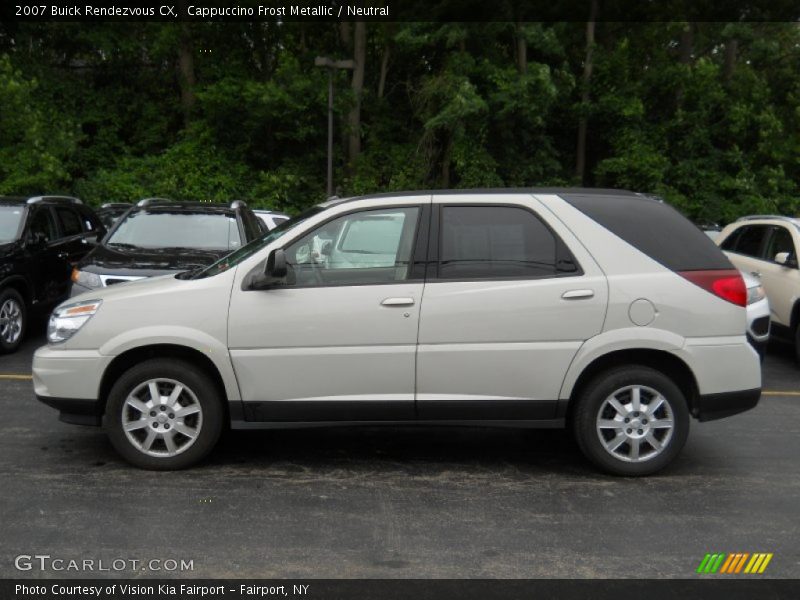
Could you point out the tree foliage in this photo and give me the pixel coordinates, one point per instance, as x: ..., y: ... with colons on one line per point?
x: 704, y: 114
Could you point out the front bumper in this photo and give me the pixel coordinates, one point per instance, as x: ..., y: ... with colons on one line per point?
x: 74, y: 410
x: 69, y: 381
x: 708, y: 407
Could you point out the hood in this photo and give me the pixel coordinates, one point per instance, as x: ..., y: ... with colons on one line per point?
x: 146, y: 261
x: 7, y: 248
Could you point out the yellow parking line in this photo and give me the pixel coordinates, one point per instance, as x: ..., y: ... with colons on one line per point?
x: 780, y: 393
x: 16, y: 377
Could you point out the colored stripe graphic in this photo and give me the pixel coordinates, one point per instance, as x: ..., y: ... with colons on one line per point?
x: 733, y: 563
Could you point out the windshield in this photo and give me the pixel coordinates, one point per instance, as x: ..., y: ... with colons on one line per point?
x: 233, y: 259
x: 10, y: 218
x: 177, y: 228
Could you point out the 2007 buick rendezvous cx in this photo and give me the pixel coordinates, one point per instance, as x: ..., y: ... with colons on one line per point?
x: 601, y: 310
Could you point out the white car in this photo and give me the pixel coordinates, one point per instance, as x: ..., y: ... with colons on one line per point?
x: 602, y: 311
x: 270, y: 218
x: 757, y: 313
x: 766, y: 246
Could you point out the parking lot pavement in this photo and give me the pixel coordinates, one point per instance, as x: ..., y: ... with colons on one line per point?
x: 406, y: 502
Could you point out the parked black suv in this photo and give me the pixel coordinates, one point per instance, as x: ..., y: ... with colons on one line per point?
x: 160, y: 236
x: 41, y: 238
x: 110, y: 212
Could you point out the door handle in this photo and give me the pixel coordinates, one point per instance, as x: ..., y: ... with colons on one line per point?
x: 577, y: 294
x: 397, y: 302
x: 62, y: 255
x: 756, y: 274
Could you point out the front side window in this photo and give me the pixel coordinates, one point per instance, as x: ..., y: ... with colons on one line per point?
x: 747, y: 241
x: 172, y: 228
x: 780, y: 241
x: 10, y: 219
x: 496, y: 242
x: 367, y: 247
x: 42, y: 225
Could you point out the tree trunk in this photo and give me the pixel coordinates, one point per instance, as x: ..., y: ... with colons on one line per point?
x: 686, y: 48
x: 521, y: 50
x: 731, y: 49
x: 357, y: 86
x: 384, y: 70
x: 186, y: 75
x: 583, y: 120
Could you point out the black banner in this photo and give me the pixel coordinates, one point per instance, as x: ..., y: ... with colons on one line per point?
x: 396, y: 10
x: 733, y: 588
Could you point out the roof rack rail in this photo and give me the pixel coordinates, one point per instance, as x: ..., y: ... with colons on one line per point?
x: 148, y: 201
x: 61, y: 199
x: 238, y: 204
x: 759, y: 217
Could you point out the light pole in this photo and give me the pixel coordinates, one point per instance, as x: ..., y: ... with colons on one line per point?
x: 330, y: 64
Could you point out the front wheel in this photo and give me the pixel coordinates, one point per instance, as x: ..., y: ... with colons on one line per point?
x: 13, y: 320
x: 631, y: 421
x: 164, y: 414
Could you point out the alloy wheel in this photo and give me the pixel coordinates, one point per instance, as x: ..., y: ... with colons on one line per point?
x: 162, y: 417
x: 10, y: 321
x: 635, y: 423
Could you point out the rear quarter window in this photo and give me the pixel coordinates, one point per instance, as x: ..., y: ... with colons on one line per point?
x: 655, y: 229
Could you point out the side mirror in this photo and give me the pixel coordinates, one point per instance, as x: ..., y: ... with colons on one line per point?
x: 786, y: 259
x: 37, y: 238
x: 276, y: 264
x: 276, y: 272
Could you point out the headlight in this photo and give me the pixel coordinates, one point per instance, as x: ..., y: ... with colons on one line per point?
x: 86, y: 279
x: 755, y: 293
x: 66, y: 320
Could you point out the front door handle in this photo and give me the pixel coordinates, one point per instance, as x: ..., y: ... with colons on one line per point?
x: 577, y: 294
x: 397, y: 302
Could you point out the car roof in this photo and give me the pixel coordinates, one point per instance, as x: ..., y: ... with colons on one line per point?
x: 577, y: 191
x: 756, y: 219
x: 187, y: 206
x: 17, y: 200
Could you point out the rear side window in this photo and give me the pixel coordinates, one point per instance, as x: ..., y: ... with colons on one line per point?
x: 654, y: 228
x: 70, y: 222
x: 495, y: 242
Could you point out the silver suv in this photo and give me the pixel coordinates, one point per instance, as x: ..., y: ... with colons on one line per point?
x: 599, y: 310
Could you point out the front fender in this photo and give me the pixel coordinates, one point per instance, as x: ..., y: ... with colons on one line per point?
x: 214, y: 349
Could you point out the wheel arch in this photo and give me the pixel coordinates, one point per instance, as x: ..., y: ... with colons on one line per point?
x: 660, y: 360
x: 134, y: 356
x: 20, y: 284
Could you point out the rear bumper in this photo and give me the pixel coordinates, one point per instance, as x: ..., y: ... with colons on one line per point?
x: 709, y: 407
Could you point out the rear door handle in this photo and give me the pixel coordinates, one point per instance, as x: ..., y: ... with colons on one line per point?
x: 397, y: 302
x: 577, y: 294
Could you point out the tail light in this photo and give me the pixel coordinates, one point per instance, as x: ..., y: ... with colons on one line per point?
x: 724, y: 283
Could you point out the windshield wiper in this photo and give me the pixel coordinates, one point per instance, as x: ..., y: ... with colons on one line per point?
x: 124, y: 246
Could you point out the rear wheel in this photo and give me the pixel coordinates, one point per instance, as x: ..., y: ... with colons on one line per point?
x: 797, y: 343
x: 13, y: 320
x: 164, y: 414
x: 631, y: 421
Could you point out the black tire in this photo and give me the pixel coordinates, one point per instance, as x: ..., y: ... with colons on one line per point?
x: 797, y: 343
x: 6, y: 295
x: 592, y: 399
x: 201, y: 390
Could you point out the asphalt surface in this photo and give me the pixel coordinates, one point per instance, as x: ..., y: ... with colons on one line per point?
x: 401, y: 503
